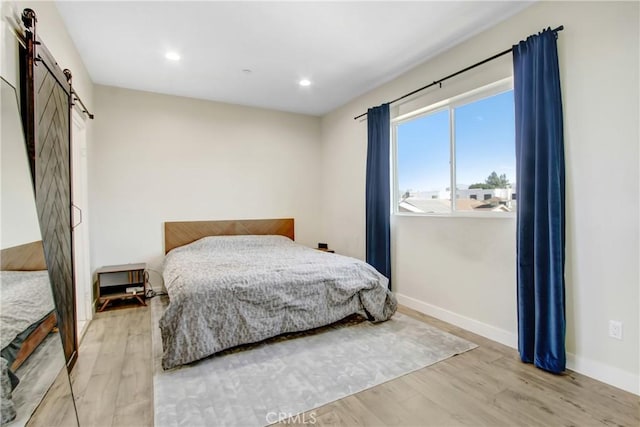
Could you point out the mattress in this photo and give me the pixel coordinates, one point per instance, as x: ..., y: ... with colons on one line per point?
x: 25, y: 301
x: 226, y: 291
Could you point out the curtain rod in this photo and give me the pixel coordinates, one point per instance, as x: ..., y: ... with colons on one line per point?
x: 439, y: 82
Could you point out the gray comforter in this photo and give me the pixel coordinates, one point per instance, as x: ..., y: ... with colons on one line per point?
x: 25, y: 299
x: 230, y: 290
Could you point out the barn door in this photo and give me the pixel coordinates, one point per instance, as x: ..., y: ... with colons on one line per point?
x: 46, y: 104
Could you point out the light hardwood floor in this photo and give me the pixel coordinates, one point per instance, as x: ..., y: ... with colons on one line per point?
x: 113, y: 386
x: 112, y: 381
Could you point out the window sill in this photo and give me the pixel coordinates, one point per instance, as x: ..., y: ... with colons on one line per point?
x: 483, y: 215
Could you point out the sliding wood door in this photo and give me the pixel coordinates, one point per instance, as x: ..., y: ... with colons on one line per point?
x: 47, y: 111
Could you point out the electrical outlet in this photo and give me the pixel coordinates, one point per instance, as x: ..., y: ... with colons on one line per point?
x: 615, y: 329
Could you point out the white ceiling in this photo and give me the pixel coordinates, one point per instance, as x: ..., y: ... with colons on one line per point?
x: 344, y: 48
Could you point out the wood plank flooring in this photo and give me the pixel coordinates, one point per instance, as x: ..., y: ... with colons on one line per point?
x: 112, y: 380
x: 113, y: 386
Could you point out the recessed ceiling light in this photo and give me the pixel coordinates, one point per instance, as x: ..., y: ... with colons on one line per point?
x: 304, y: 82
x: 173, y: 56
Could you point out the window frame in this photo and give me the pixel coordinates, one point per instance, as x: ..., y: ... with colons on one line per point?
x: 450, y: 104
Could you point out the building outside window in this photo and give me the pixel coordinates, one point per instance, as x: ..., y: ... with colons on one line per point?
x: 457, y: 156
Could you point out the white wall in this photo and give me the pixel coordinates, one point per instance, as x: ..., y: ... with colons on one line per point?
x: 51, y: 29
x: 9, y: 58
x: 157, y: 158
x: 463, y: 269
x: 18, y: 215
x: 165, y: 158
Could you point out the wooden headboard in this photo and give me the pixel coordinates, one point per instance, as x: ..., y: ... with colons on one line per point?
x: 27, y: 257
x: 184, y: 232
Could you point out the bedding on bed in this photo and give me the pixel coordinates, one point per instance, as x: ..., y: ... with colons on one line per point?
x: 7, y: 407
x: 25, y: 300
x: 230, y: 290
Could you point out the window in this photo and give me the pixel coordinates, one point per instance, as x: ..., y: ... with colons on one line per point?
x: 457, y: 156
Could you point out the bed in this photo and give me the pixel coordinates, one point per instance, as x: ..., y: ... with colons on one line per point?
x: 239, y: 282
x: 27, y: 314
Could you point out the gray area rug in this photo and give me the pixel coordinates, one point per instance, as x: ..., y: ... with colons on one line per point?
x: 256, y: 384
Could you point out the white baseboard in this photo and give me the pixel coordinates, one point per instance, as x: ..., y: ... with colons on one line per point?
x: 496, y: 334
x: 607, y: 374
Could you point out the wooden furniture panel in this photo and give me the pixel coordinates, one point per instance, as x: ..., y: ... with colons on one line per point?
x: 326, y: 250
x: 34, y: 339
x: 27, y: 257
x: 113, y: 281
x: 181, y: 233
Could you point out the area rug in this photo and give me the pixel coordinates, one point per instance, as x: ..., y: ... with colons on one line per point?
x: 256, y: 384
